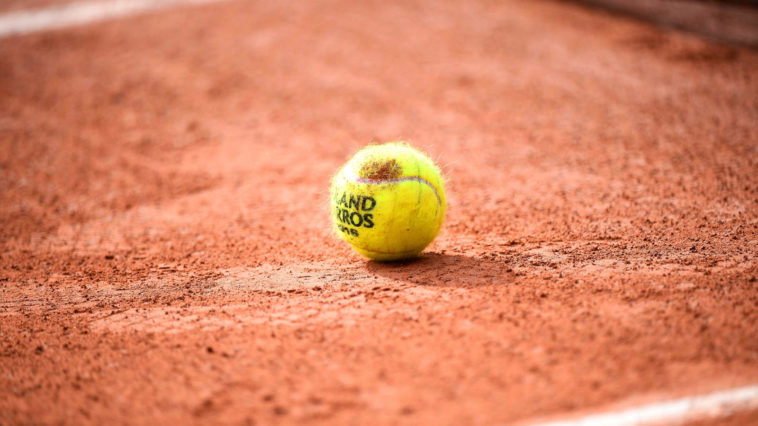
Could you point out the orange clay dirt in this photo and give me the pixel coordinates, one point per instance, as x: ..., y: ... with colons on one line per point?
x: 167, y: 254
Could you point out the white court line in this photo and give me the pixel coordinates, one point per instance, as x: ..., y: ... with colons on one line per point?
x: 718, y: 404
x: 73, y: 14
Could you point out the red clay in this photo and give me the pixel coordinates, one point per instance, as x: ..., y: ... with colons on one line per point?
x: 27, y: 5
x: 166, y: 254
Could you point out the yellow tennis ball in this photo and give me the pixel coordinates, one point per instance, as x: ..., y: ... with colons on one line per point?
x: 388, y: 201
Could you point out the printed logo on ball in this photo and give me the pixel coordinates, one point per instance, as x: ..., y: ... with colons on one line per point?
x: 351, y: 211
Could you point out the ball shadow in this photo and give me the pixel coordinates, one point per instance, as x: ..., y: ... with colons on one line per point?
x: 450, y: 270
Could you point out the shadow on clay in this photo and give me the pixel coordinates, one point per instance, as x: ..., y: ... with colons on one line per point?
x: 451, y: 270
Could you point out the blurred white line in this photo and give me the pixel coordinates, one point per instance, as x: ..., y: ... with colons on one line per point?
x: 73, y: 14
x: 718, y: 404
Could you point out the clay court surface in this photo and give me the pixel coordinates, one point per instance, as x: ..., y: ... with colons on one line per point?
x: 166, y: 252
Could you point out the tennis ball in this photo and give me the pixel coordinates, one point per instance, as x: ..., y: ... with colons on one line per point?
x: 388, y: 201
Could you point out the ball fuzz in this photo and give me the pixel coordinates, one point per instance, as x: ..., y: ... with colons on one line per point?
x: 388, y: 201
